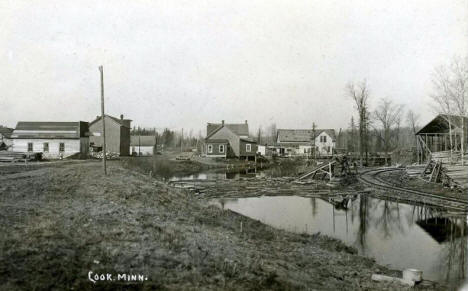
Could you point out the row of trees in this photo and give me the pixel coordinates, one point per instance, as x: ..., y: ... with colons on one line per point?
x: 169, y: 138
x: 450, y: 83
x: 387, y: 127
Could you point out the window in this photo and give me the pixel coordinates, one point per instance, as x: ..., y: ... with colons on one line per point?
x: 30, y: 146
x: 323, y: 138
x: 46, y: 147
x: 248, y: 147
x: 210, y: 148
x: 221, y: 148
x: 61, y: 147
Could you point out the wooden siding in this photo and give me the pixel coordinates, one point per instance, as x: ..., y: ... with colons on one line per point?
x: 324, y: 146
x: 72, y: 146
x: 112, y: 135
x: 124, y: 141
x: 216, y: 151
x: 243, y: 150
x: 234, y: 140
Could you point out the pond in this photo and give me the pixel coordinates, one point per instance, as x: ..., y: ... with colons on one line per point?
x: 222, y: 174
x: 395, y: 234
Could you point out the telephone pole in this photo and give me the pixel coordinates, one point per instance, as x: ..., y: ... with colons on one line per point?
x: 103, y: 122
x: 181, y: 140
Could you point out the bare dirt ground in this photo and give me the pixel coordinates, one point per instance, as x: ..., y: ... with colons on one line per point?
x: 59, y: 223
x: 400, y: 179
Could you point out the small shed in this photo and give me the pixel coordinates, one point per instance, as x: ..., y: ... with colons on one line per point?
x: 443, y: 133
x: 142, y: 145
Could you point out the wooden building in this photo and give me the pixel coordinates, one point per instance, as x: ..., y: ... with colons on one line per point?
x: 440, y: 144
x: 5, y: 138
x: 442, y: 134
x: 142, y: 145
x: 117, y: 134
x: 52, y: 139
x: 293, y: 142
x: 228, y: 140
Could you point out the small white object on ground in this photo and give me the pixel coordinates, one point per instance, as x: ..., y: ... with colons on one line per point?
x: 412, y: 275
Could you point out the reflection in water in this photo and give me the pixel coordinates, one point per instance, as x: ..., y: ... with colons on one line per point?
x: 395, y: 234
x: 222, y: 174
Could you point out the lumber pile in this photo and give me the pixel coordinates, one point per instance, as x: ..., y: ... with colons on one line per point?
x: 9, y: 156
x: 436, y: 171
x: 447, y: 158
x: 109, y: 155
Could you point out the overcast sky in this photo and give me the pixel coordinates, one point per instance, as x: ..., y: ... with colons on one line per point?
x: 184, y: 63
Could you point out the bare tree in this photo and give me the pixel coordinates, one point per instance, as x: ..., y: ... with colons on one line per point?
x: 360, y: 95
x: 388, y: 116
x: 272, y: 131
x: 352, y: 132
x: 259, y: 135
x: 450, y: 90
x: 413, y: 123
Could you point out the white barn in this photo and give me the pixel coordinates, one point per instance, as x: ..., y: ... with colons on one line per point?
x: 142, y: 145
x: 52, y: 139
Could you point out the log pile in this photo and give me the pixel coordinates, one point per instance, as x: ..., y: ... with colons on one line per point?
x: 251, y: 187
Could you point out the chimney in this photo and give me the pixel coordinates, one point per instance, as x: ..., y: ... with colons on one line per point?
x: 121, y: 116
x: 245, y: 121
x: 222, y: 122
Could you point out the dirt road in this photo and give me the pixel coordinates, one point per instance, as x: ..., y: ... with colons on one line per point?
x: 61, y: 223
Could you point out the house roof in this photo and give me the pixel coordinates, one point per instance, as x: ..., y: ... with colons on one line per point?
x: 240, y: 129
x: 248, y: 140
x: 143, y: 140
x: 6, y: 131
x: 49, y: 129
x: 122, y: 122
x: 302, y: 135
x: 440, y: 124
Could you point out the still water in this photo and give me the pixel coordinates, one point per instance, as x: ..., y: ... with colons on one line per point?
x: 395, y: 234
x: 221, y: 175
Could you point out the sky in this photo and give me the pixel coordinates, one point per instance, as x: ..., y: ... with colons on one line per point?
x: 181, y: 64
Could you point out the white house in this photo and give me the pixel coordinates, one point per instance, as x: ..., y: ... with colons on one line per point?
x: 142, y: 145
x: 52, y: 139
x: 293, y: 142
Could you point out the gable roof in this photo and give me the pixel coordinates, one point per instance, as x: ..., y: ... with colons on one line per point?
x: 240, y: 129
x: 122, y: 122
x: 6, y: 131
x: 143, y: 140
x: 440, y: 124
x: 49, y: 129
x: 302, y: 135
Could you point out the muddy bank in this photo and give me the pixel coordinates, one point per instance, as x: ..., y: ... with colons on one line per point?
x: 401, y: 179
x: 161, y: 166
x: 61, y: 223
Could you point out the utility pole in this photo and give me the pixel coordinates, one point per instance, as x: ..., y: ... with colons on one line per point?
x: 181, y: 140
x: 313, y: 141
x: 155, y: 149
x: 103, y: 122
